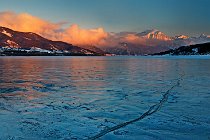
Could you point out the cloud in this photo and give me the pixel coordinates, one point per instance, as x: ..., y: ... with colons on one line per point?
x: 25, y: 22
x: 115, y: 39
x: 133, y: 38
x: 76, y: 35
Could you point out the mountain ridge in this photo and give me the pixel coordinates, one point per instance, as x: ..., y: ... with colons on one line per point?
x: 198, y: 49
x: 124, y: 43
x: 148, y: 42
x: 10, y: 40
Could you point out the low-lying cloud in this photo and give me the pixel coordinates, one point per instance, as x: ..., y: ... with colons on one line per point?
x: 74, y: 34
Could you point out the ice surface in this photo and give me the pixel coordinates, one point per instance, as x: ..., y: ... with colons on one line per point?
x: 81, y: 97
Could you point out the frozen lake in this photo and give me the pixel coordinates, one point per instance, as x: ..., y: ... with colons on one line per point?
x: 130, y: 98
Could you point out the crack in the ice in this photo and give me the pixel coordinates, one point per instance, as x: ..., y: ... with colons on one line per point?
x: 153, y: 109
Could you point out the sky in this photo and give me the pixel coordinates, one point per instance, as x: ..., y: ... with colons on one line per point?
x: 174, y: 17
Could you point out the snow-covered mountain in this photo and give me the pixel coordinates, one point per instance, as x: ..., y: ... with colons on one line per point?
x: 181, y: 37
x: 154, y: 34
x: 31, y: 42
x: 148, y: 42
x: 204, y: 36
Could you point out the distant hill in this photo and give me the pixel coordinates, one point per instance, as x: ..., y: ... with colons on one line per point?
x: 198, y: 49
x: 27, y: 43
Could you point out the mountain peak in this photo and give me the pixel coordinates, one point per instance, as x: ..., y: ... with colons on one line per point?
x: 154, y: 34
x: 204, y: 36
x: 181, y: 37
x: 150, y: 31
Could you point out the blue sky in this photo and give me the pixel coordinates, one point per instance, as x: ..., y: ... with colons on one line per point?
x: 190, y: 17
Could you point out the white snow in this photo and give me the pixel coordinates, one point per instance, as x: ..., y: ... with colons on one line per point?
x: 39, y: 50
x: 154, y: 34
x: 182, y: 37
x: 195, y: 50
x: 27, y: 38
x: 12, y: 44
x: 86, y: 52
x: 6, y: 33
x: 54, y: 48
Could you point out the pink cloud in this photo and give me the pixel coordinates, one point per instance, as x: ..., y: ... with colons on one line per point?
x: 25, y: 22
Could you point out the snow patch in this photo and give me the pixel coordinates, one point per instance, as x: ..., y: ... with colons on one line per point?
x: 54, y: 48
x: 195, y: 50
x: 12, y: 44
x: 86, y: 52
x: 6, y: 33
x: 36, y: 49
x: 27, y: 38
x: 182, y: 37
